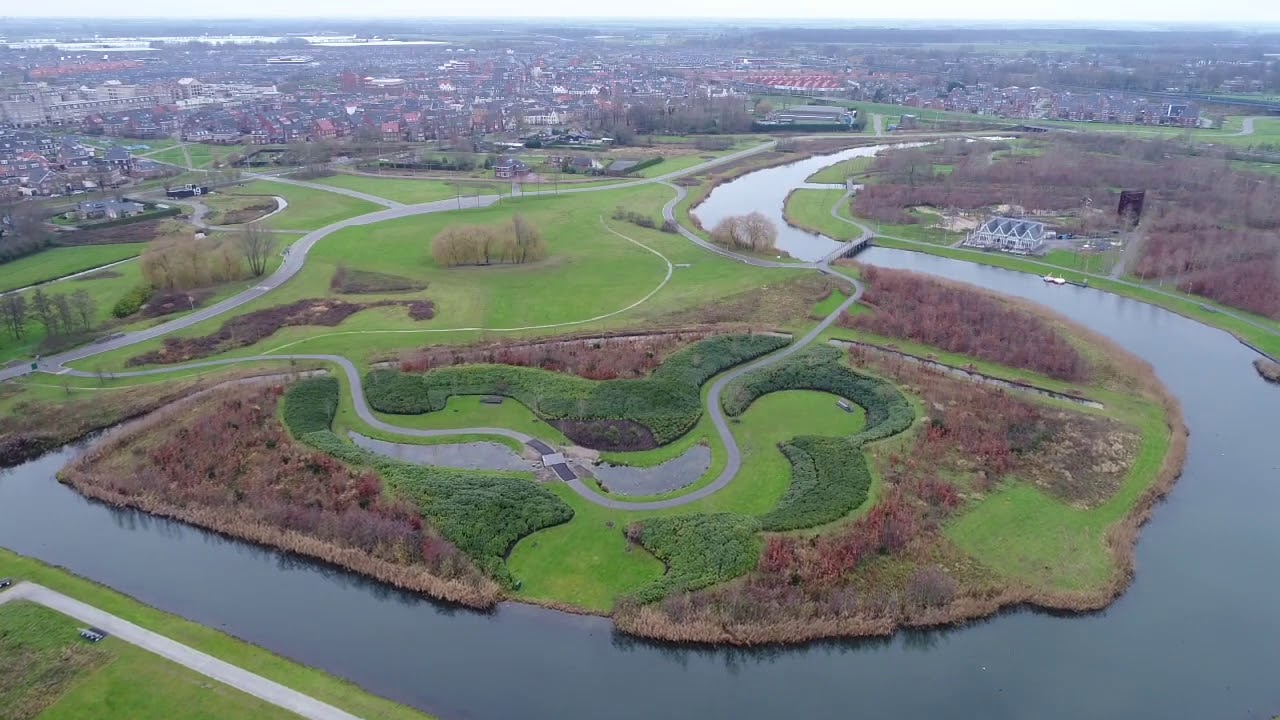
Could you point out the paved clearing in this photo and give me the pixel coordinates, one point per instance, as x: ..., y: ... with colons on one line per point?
x: 675, y: 474
x: 207, y: 665
x: 463, y: 456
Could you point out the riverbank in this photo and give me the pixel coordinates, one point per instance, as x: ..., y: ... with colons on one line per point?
x: 316, y: 683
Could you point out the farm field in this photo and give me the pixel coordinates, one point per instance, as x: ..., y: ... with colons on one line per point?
x: 59, y: 262
x: 129, y: 699
x: 308, y: 209
x: 62, y: 676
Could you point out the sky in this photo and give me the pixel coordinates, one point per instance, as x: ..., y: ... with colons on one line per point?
x: 1234, y: 12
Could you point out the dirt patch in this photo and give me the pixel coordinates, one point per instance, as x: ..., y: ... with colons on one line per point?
x: 365, y: 282
x: 167, y: 302
x: 237, y: 210
x: 100, y: 275
x: 607, y: 435
x: 251, y: 327
x: 145, y: 231
x: 597, y: 358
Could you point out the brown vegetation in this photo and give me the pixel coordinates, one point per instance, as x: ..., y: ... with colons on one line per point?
x: 607, y: 435
x: 1267, y: 369
x: 227, y: 464
x: 515, y: 242
x: 776, y: 305
x: 753, y: 232
x: 965, y: 320
x: 183, y: 263
x: 251, y: 327
x: 892, y: 567
x: 365, y: 282
x: 594, y: 358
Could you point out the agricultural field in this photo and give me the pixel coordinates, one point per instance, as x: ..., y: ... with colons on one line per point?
x: 51, y: 673
x: 308, y: 209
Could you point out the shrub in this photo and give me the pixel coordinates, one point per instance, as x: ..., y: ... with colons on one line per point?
x: 310, y: 405
x: 483, y: 514
x: 820, y: 368
x: 515, y: 242
x: 930, y: 587
x: 185, y: 264
x: 633, y: 217
x: 668, y: 403
x: 132, y: 301
x: 752, y: 231
x: 698, y: 550
x: 829, y: 479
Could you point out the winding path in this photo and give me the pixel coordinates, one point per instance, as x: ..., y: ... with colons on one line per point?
x: 173, y: 651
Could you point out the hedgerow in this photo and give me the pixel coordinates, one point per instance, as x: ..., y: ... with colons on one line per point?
x: 310, y: 404
x: 829, y: 479
x: 483, y: 514
x: 698, y: 550
x: 668, y: 402
x: 820, y: 368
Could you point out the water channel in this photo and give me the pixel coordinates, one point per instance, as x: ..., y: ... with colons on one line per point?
x: 1196, y: 636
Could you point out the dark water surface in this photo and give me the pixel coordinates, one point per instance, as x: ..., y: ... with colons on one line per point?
x: 1197, y: 635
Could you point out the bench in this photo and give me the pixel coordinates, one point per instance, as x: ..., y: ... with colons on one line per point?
x: 844, y: 405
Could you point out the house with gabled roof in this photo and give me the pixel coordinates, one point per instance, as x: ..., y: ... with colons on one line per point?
x: 1014, y: 235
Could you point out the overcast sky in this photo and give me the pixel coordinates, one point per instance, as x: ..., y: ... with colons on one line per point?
x: 1236, y: 12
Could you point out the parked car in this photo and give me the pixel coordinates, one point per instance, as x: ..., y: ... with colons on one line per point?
x: 5, y: 582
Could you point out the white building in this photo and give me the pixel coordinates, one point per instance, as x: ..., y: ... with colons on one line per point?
x: 1014, y: 235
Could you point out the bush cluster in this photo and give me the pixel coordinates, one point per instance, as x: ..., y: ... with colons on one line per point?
x: 829, y: 479
x: 698, y: 550
x: 518, y: 241
x: 132, y: 301
x: 483, y: 514
x: 669, y: 402
x: 310, y: 405
x: 820, y: 368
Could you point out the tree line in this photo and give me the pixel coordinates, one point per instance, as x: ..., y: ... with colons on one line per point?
x: 59, y: 313
x: 515, y: 242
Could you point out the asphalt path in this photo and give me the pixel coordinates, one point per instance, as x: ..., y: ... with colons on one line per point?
x: 207, y: 665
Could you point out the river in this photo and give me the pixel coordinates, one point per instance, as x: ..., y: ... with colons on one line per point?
x: 1196, y: 636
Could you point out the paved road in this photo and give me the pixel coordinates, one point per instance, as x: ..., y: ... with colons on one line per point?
x: 207, y: 665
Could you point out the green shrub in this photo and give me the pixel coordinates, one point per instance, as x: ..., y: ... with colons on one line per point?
x: 820, y: 368
x: 483, y: 514
x: 698, y: 550
x: 829, y: 479
x: 310, y: 404
x: 669, y: 402
x: 132, y: 301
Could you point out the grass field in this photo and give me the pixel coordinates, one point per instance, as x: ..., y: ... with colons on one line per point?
x: 308, y: 209
x: 589, y: 563
x: 842, y: 170
x: 811, y: 210
x: 62, y: 261
x: 48, y: 666
x: 1099, y: 262
x: 169, y: 688
x: 589, y: 272
x: 410, y: 191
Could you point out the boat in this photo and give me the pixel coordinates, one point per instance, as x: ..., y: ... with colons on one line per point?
x: 1055, y: 280
x: 289, y: 60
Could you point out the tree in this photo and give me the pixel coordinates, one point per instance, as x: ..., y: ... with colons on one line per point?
x: 44, y: 312
x: 13, y: 308
x: 86, y: 309
x: 66, y: 314
x: 752, y: 231
x: 763, y: 108
x: 528, y: 240
x: 255, y: 245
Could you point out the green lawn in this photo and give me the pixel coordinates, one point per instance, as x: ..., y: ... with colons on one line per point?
x: 1094, y: 262
x: 308, y: 209
x: 842, y: 170
x: 588, y: 562
x: 160, y: 690
x: 53, y: 668
x: 62, y: 261
x: 411, y: 191
x: 589, y: 272
x: 811, y: 210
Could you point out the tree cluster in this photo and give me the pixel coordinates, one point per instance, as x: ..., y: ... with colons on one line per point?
x: 516, y: 242
x: 58, y: 313
x: 752, y: 231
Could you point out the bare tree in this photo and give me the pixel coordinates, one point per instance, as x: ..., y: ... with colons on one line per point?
x: 13, y: 308
x: 44, y: 312
x: 66, y: 314
x: 85, y: 307
x: 255, y: 245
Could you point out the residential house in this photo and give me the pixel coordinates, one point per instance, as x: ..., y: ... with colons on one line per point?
x: 109, y: 209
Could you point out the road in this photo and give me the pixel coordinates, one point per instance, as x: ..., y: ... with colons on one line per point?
x: 207, y: 665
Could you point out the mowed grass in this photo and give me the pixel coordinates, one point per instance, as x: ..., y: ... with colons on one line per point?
x: 309, y: 209
x: 589, y: 272
x: 1020, y: 532
x: 408, y: 190
x: 589, y: 563
x: 842, y: 170
x: 318, y: 684
x: 59, y: 262
x: 46, y: 664
x: 811, y: 210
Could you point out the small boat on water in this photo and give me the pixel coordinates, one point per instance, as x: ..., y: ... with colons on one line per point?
x: 1055, y: 280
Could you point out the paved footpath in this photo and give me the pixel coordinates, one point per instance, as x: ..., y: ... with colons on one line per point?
x: 209, y: 666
